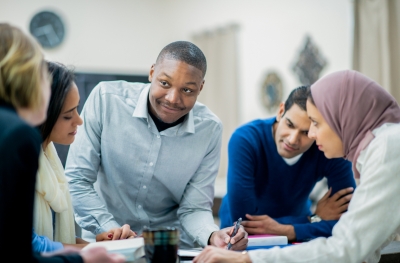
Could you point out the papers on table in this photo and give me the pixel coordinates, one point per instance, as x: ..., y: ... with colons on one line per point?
x: 132, y: 248
x: 266, y: 240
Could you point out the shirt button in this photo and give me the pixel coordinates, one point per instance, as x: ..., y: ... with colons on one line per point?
x: 151, y: 164
x: 139, y: 206
x: 144, y: 187
x: 158, y: 136
x: 144, y: 226
x: 148, y: 126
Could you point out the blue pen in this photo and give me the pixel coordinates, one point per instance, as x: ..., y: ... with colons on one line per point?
x: 237, y: 225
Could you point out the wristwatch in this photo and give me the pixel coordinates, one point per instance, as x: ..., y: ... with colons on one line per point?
x: 315, y: 218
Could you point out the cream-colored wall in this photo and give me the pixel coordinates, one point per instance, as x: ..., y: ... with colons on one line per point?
x: 125, y: 36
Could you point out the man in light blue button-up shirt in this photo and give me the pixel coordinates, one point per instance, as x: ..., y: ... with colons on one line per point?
x: 148, y: 154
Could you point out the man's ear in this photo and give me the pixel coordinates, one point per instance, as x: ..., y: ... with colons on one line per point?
x: 201, y: 86
x: 151, y: 72
x: 280, y: 112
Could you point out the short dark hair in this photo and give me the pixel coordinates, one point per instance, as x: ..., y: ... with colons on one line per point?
x: 62, y: 79
x: 186, y: 52
x: 310, y: 97
x: 299, y: 97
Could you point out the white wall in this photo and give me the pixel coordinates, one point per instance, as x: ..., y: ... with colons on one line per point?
x: 125, y: 36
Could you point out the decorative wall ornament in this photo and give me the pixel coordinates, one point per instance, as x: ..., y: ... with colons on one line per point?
x: 271, y: 91
x: 309, y: 64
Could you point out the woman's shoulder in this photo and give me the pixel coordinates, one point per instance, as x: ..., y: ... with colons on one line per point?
x: 387, y: 134
x: 16, y: 131
x: 386, y: 142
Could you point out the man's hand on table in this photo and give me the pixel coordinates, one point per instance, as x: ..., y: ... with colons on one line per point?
x: 332, y: 208
x: 123, y: 232
x: 222, y: 237
x: 258, y: 225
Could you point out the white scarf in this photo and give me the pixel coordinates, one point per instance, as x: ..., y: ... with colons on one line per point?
x: 52, y: 192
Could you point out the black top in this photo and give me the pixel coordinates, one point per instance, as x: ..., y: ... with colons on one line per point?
x: 19, y: 158
x: 159, y: 123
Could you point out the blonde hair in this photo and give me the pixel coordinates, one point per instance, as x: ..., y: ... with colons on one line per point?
x: 21, y: 68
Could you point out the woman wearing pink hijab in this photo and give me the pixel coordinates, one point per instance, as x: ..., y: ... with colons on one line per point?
x: 352, y: 117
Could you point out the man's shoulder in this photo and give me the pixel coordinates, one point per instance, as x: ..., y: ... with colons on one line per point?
x: 201, y: 111
x: 257, y: 126
x: 313, y: 154
x: 121, y: 88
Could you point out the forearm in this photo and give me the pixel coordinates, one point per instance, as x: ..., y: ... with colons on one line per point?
x: 284, y: 230
x: 308, y: 231
x: 91, y: 213
x: 289, y: 220
x: 199, y: 225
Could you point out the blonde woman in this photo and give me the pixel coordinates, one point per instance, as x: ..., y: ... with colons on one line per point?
x: 24, y: 97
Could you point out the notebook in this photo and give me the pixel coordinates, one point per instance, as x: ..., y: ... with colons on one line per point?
x: 132, y: 248
x: 266, y: 240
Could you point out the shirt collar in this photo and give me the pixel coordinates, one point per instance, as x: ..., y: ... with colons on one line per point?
x: 141, y: 112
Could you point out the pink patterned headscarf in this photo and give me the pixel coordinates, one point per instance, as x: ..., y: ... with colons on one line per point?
x: 353, y: 105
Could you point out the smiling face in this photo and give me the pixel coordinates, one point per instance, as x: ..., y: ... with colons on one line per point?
x: 326, y: 139
x: 65, y: 128
x: 174, y: 88
x: 290, y: 131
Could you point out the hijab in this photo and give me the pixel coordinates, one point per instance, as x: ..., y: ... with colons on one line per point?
x: 354, y: 105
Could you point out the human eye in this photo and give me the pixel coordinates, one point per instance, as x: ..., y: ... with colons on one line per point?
x: 289, y: 124
x: 67, y: 118
x: 164, y: 83
x: 186, y: 90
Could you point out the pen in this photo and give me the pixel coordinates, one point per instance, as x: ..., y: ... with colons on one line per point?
x: 237, y: 225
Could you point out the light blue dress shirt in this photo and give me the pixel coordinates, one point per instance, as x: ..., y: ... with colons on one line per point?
x: 122, y: 170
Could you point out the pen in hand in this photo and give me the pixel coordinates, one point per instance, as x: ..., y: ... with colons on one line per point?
x: 237, y: 225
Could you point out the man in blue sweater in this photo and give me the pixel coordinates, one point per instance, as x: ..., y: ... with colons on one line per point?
x: 273, y: 167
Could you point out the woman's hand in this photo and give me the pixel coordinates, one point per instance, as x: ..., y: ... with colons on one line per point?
x: 123, y: 232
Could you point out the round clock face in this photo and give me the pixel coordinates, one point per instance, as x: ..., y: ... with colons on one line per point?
x: 47, y: 28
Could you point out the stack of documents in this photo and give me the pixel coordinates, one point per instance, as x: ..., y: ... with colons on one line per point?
x: 132, y: 248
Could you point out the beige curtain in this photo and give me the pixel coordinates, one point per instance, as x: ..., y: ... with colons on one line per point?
x: 220, y: 92
x: 376, y: 51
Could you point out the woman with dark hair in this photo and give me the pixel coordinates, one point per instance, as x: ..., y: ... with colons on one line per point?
x: 352, y: 117
x: 53, y: 213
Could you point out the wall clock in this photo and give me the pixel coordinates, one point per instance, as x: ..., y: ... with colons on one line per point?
x: 48, y: 28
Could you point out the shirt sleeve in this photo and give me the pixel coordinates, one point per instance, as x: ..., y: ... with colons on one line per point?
x: 339, y: 174
x: 195, y: 208
x: 44, y: 244
x: 371, y: 218
x: 305, y: 230
x: 241, y: 165
x: 82, y: 166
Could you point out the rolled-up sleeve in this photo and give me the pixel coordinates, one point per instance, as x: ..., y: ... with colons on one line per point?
x: 82, y: 167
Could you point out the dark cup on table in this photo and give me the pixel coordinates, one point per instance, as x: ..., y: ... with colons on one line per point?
x: 161, y: 244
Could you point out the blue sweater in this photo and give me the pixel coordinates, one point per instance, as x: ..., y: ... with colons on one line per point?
x: 260, y: 182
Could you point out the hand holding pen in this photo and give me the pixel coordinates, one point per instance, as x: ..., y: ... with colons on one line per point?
x: 235, y: 230
x: 230, y: 238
